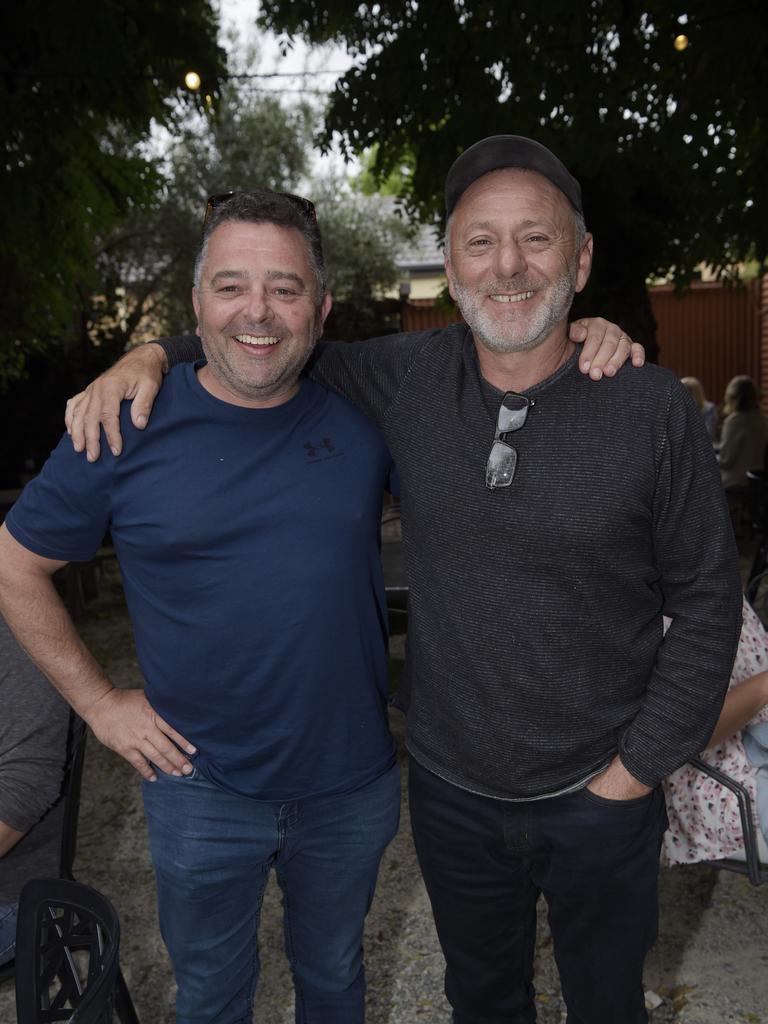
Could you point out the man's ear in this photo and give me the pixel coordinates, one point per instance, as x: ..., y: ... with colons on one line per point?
x: 196, y: 307
x: 585, y: 263
x: 322, y: 314
x: 450, y: 278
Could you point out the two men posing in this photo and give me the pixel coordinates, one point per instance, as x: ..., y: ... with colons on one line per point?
x: 548, y: 520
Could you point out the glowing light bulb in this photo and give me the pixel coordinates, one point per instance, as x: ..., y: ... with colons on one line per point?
x: 193, y: 81
x: 681, y: 43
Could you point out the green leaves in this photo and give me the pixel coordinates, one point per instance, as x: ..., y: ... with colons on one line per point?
x: 80, y: 85
x: 670, y: 147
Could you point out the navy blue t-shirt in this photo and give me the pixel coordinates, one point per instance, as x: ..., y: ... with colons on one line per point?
x: 248, y: 541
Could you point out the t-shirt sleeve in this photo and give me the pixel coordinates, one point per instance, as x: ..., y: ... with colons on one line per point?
x: 701, y: 587
x: 183, y: 348
x: 64, y: 512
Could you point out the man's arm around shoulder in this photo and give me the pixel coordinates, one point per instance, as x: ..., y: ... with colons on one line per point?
x: 138, y: 377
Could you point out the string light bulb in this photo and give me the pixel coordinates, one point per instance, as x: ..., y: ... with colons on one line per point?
x: 193, y: 81
x: 681, y: 43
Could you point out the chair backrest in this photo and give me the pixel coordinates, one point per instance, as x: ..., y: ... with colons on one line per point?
x: 67, y: 944
x: 70, y: 794
x: 71, y: 786
x: 73, y: 780
x: 756, y: 591
x: 756, y: 872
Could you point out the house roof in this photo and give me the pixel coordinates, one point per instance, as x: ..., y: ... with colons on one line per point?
x: 424, y: 252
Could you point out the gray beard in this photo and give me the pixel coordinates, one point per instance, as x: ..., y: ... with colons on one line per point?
x: 521, y: 335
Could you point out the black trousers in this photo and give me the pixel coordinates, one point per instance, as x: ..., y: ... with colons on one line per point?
x: 486, y: 861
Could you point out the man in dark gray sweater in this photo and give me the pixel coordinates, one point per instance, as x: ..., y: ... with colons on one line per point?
x: 548, y: 522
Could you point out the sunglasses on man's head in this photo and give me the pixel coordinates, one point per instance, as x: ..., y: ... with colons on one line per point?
x: 502, y: 462
x: 304, y: 205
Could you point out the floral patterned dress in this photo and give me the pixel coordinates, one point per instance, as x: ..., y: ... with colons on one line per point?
x: 704, y: 820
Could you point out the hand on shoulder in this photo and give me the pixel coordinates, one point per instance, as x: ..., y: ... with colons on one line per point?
x: 137, y: 376
x: 606, y: 347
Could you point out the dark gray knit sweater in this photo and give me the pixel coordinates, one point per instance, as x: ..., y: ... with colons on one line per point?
x: 535, y: 647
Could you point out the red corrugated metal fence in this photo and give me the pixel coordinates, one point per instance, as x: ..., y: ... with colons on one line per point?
x: 710, y: 331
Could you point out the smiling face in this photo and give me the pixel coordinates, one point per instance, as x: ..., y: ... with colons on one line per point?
x: 258, y: 311
x: 514, y: 261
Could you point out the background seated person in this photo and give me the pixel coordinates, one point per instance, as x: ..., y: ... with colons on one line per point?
x: 745, y: 433
x: 704, y: 821
x: 33, y: 747
x: 707, y: 409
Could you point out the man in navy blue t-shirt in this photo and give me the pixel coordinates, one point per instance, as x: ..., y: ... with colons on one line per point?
x: 245, y: 519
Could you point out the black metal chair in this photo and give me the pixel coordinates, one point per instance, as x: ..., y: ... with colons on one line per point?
x: 73, y: 781
x: 67, y: 944
x: 756, y: 593
x: 757, y: 514
x: 756, y: 872
x: 71, y: 786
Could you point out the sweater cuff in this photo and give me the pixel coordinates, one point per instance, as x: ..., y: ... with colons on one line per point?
x: 185, y: 348
x: 642, y: 772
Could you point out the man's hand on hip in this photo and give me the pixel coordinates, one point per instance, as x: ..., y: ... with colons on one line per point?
x: 125, y: 721
x: 616, y: 783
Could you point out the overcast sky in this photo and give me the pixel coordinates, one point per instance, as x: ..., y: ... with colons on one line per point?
x: 303, y: 71
x: 242, y: 13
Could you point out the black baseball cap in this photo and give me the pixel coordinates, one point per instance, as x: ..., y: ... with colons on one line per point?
x: 499, y: 151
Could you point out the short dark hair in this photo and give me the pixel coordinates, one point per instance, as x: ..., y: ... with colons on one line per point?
x: 263, y: 206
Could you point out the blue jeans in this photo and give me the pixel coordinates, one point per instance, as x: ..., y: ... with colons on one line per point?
x: 7, y: 932
x: 213, y: 850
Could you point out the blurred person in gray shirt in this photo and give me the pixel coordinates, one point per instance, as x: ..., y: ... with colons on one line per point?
x: 33, y: 749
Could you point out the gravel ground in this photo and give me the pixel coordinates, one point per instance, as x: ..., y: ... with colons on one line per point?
x: 710, y: 965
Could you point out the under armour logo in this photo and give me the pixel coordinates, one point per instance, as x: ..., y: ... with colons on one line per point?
x: 312, y: 448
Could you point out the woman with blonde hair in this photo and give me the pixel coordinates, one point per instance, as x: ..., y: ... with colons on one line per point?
x: 707, y: 409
